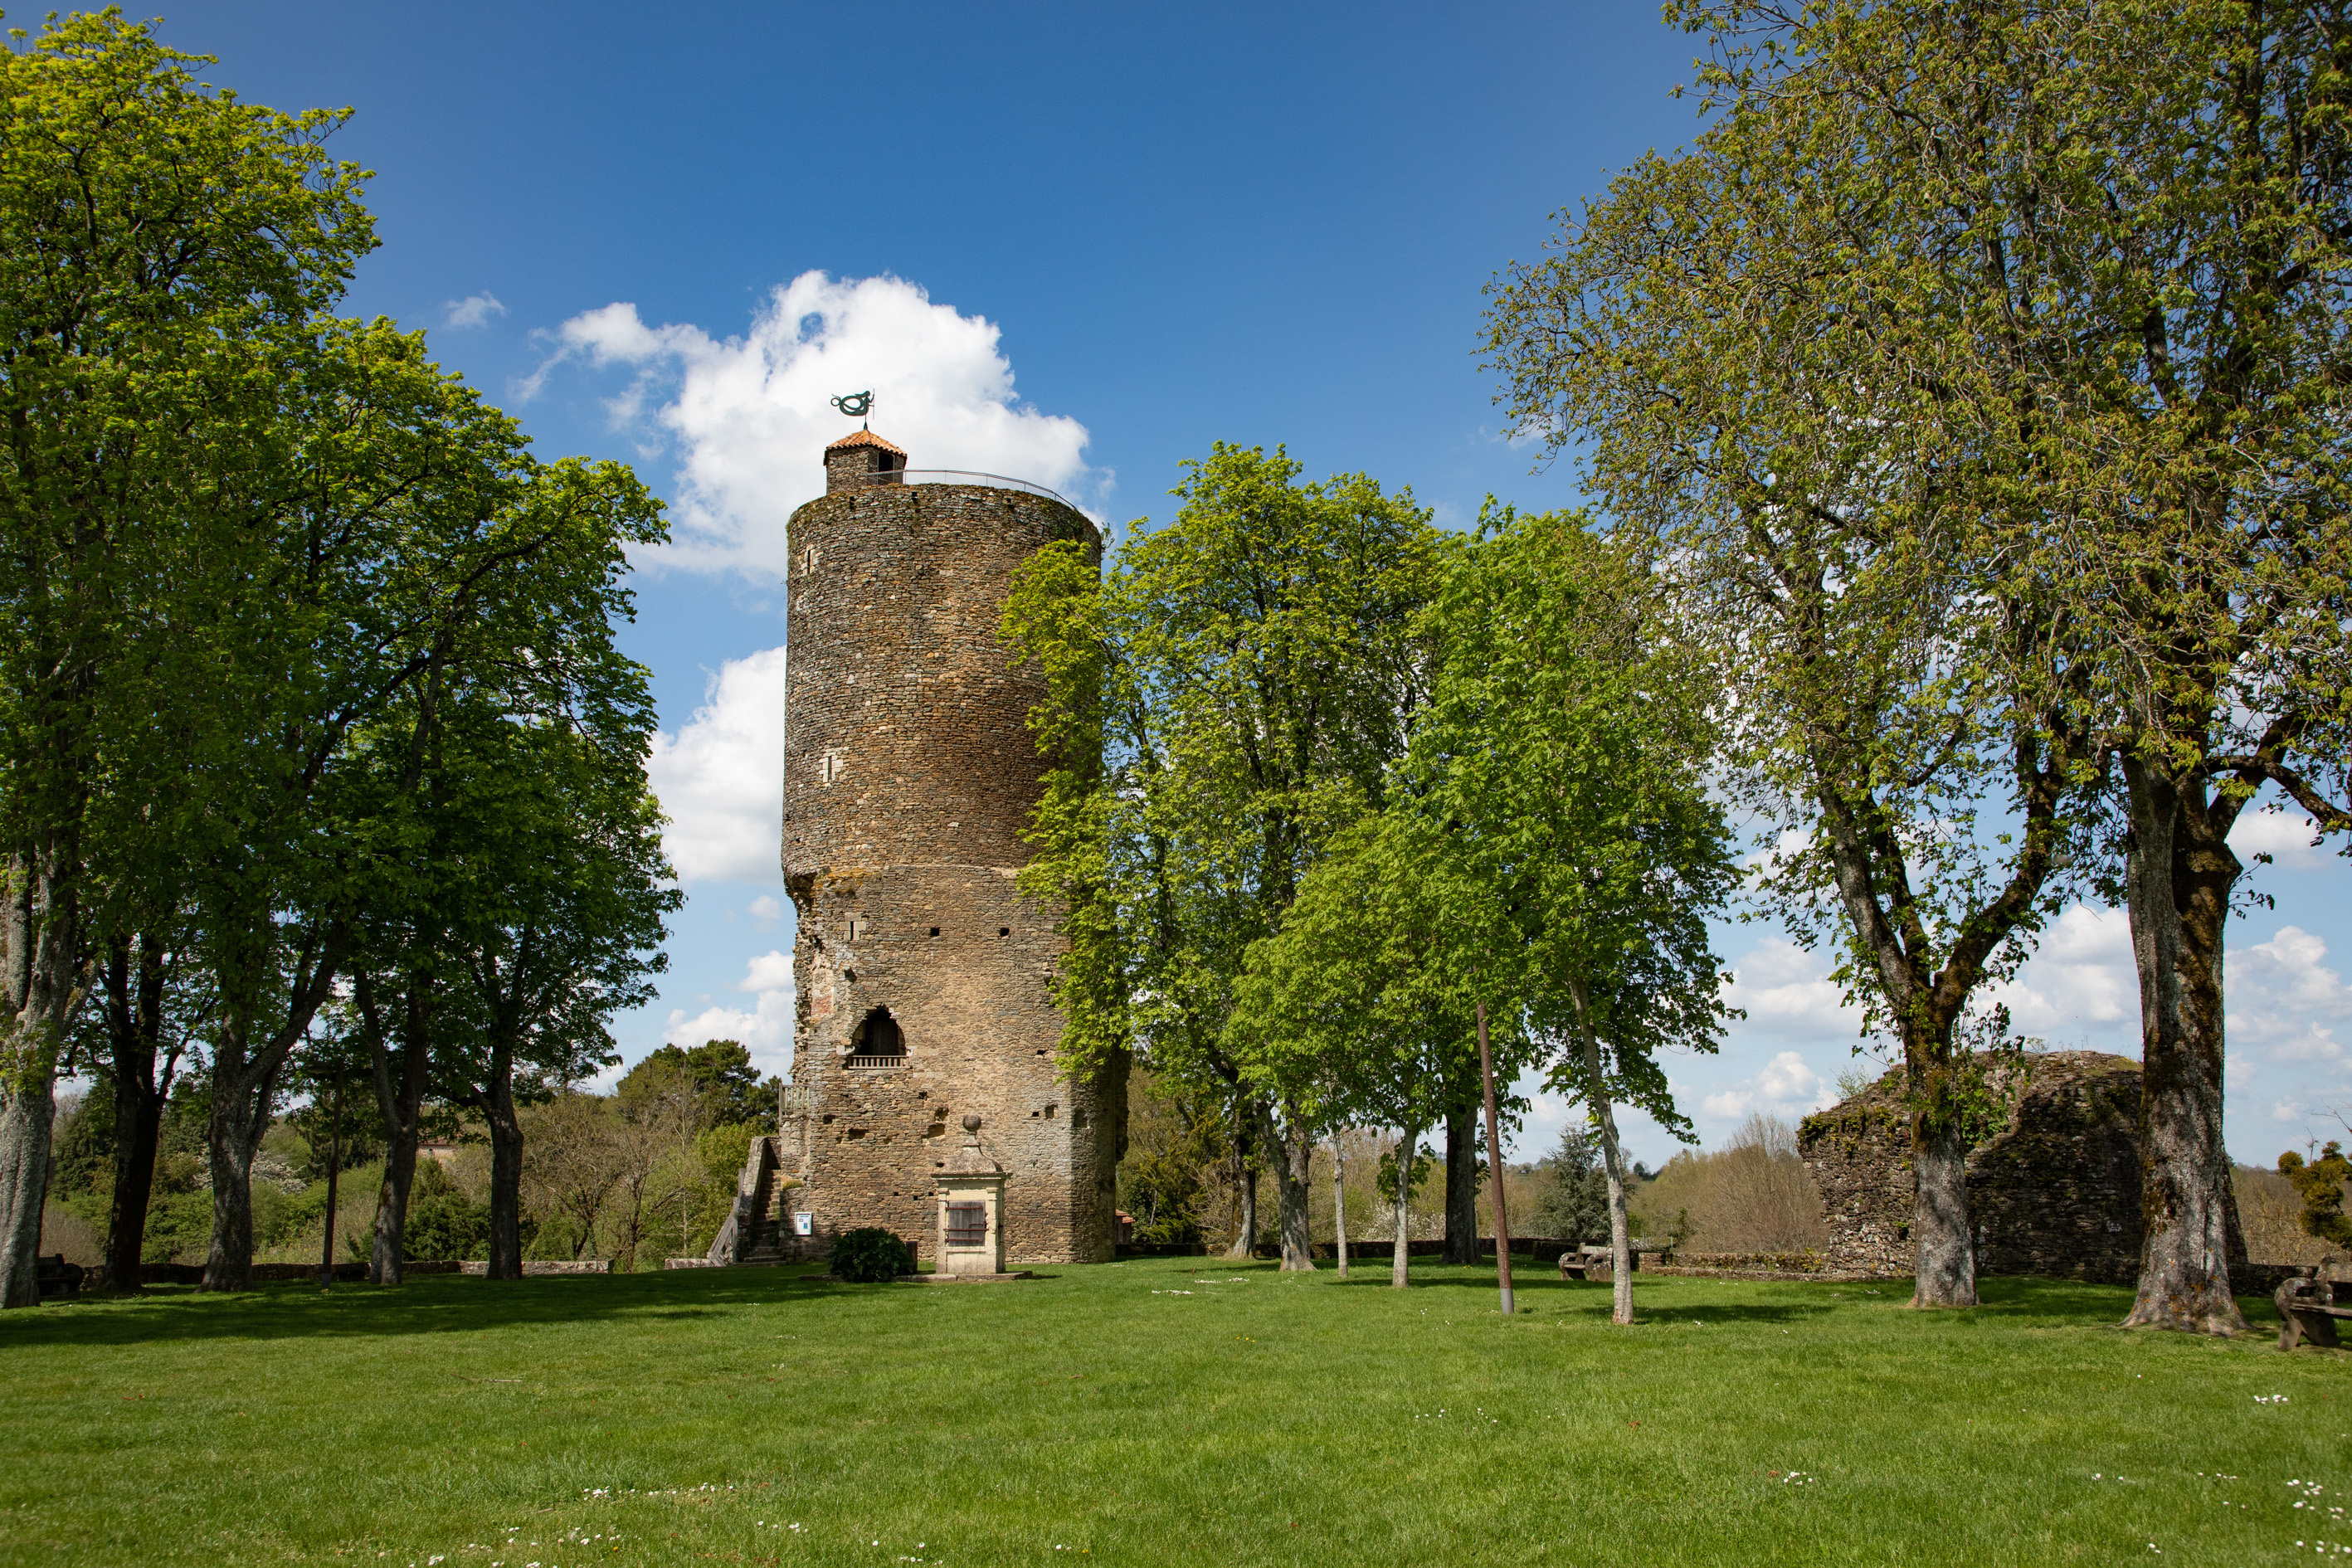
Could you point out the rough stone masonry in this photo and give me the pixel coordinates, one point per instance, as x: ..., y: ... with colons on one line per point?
x: 2055, y: 1189
x: 919, y: 973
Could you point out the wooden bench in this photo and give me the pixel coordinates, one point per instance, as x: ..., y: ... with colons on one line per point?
x: 2308, y: 1309
x: 58, y: 1281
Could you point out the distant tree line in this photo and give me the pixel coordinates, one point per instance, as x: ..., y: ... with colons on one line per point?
x: 320, y: 770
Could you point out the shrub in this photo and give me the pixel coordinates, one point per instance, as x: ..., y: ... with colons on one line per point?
x: 870, y: 1255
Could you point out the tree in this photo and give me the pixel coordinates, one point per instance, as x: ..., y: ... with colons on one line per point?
x: 718, y: 1073
x: 1219, y: 704
x: 1572, y: 1194
x: 1553, y: 809
x: 153, y: 232
x: 154, y: 1002
x: 1357, y: 1010
x: 571, y: 1159
x: 2108, y: 268
x: 2320, y: 1186
x: 1903, y: 714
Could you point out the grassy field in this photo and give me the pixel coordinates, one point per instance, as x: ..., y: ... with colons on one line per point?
x: 1154, y: 1411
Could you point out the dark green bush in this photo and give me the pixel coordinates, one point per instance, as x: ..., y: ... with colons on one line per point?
x: 869, y: 1255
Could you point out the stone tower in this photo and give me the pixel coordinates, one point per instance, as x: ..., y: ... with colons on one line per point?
x: 919, y: 972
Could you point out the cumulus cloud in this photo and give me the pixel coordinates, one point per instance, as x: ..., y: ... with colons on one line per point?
x: 2287, y: 836
x: 765, y: 1029
x: 473, y: 311
x: 2285, y: 1002
x: 766, y: 908
x: 749, y: 415
x: 2080, y: 977
x: 721, y: 777
x: 1787, y: 991
x: 1785, y: 1087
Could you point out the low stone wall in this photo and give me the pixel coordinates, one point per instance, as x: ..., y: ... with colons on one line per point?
x: 536, y: 1268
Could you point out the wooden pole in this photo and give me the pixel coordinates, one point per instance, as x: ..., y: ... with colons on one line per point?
x: 1494, y: 1165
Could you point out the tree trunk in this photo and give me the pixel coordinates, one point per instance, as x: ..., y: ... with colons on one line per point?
x: 40, y: 941
x: 1495, y: 1167
x: 26, y: 1112
x: 1944, y: 1250
x: 1245, y: 1243
x: 135, y: 1030
x: 1403, y: 1219
x: 242, y: 1090
x: 506, y: 1171
x: 2179, y: 873
x: 334, y: 1172
x: 1294, y: 1182
x: 1612, y: 1162
x: 401, y: 1104
x: 138, y: 1129
x: 1340, y: 1203
x: 1462, y: 1183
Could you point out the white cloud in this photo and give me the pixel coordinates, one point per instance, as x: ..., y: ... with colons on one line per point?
x: 2284, y: 1003
x: 2285, y: 835
x: 473, y: 311
x: 721, y: 777
x: 765, y: 1029
x: 749, y: 415
x: 772, y: 971
x: 766, y: 908
x: 2081, y: 978
x: 1787, y: 991
x: 1785, y: 1087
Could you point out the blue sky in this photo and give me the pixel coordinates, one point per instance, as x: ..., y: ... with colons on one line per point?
x: 1075, y: 245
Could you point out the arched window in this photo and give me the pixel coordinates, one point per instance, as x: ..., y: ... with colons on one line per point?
x: 877, y: 1043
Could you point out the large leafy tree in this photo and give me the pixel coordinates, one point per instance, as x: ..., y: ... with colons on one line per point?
x: 556, y: 920
x: 1221, y: 702
x: 2089, y: 266
x: 1905, y: 714
x: 1357, y: 1011
x: 153, y: 234
x: 1554, y: 808
x: 504, y: 891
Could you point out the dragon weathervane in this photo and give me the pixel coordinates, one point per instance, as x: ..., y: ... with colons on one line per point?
x: 856, y: 405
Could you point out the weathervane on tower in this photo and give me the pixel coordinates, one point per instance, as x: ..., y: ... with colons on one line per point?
x: 856, y: 405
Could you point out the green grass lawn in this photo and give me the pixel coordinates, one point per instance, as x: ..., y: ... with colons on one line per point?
x: 1155, y: 1412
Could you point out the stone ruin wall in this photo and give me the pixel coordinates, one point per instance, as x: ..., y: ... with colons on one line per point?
x: 909, y: 772
x: 2056, y: 1192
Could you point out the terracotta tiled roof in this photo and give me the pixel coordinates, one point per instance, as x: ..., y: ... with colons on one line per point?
x: 864, y: 439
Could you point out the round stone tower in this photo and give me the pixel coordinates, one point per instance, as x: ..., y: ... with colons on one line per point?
x: 919, y: 972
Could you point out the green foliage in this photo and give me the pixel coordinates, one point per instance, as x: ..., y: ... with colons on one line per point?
x: 717, y: 1075
x: 178, y: 1222
x: 1220, y: 704
x: 443, y: 1222
x: 1571, y: 1191
x: 869, y: 1256
x: 84, y: 1150
x: 2320, y: 1186
x: 1554, y: 809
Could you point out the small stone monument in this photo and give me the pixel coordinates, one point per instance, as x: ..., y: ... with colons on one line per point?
x: 971, y: 1190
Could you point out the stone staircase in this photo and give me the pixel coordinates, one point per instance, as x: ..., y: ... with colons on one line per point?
x: 757, y: 1231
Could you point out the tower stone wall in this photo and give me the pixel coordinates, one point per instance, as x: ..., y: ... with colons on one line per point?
x: 920, y: 973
